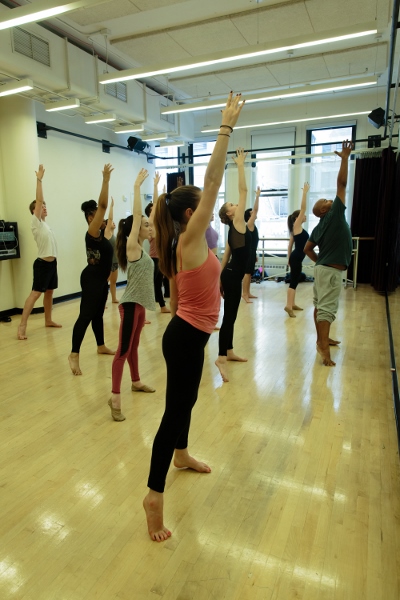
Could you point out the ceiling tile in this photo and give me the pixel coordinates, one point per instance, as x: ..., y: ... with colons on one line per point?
x: 328, y: 14
x: 368, y: 60
x: 202, y: 86
x: 154, y: 49
x: 210, y: 37
x: 103, y: 12
x: 253, y: 79
x: 152, y: 4
x: 274, y: 24
x: 300, y: 70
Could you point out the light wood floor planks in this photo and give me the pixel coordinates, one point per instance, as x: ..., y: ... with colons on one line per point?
x: 303, y: 501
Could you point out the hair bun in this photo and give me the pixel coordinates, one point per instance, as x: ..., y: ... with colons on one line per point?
x: 89, y: 206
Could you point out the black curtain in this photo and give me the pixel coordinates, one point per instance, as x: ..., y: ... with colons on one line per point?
x: 363, y: 217
x: 383, y: 276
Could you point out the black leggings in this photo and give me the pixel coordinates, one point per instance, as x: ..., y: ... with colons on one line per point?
x: 183, y: 348
x: 93, y: 302
x: 295, y: 270
x: 158, y: 279
x: 232, y: 288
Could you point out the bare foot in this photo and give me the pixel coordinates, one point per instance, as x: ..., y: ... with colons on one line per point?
x: 246, y: 299
x: 52, y: 324
x: 222, y: 369
x: 295, y: 307
x: 165, y: 310
x: 147, y: 322
x: 333, y: 342
x: 73, y: 360
x: 115, y: 301
x: 153, y: 505
x: 183, y: 460
x: 251, y: 296
x: 326, y: 357
x: 235, y: 357
x: 104, y: 350
x: 289, y: 312
x: 21, y: 335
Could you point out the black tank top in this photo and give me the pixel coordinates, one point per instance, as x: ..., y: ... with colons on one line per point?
x: 240, y: 244
x: 99, y: 254
x: 300, y: 241
x: 254, y: 239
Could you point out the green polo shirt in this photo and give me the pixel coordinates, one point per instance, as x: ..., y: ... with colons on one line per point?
x: 332, y: 235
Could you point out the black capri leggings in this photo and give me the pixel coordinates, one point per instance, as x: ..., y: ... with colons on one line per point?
x: 183, y: 348
x: 295, y: 270
x: 93, y: 302
x: 232, y: 287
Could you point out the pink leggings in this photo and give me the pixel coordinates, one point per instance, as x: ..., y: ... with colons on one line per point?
x: 132, y: 321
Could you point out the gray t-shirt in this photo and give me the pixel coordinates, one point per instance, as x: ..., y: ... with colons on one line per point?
x: 140, y: 287
x: 332, y: 235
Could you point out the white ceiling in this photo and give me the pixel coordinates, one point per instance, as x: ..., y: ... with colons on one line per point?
x: 140, y: 33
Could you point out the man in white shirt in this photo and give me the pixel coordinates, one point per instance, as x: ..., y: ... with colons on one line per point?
x: 45, y: 278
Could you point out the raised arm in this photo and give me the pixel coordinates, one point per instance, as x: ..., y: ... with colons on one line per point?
x: 109, y: 227
x: 200, y: 219
x: 343, y: 170
x: 297, y: 225
x: 98, y: 218
x: 238, y: 219
x: 39, y: 193
x: 254, y: 212
x: 156, y: 180
x: 133, y: 248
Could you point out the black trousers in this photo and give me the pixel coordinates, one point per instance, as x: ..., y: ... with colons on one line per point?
x: 158, y: 279
x: 93, y: 302
x: 183, y: 348
x: 232, y: 288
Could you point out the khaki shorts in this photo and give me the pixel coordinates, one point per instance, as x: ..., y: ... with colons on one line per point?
x: 327, y: 286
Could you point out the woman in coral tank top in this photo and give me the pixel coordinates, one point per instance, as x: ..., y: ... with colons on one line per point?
x: 181, y: 219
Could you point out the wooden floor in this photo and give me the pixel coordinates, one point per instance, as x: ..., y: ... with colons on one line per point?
x: 303, y: 501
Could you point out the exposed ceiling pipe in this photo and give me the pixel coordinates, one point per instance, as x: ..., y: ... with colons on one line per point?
x: 393, y: 35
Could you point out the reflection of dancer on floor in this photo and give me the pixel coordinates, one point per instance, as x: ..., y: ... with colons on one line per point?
x: 332, y: 235
x: 109, y: 235
x: 298, y: 238
x: 194, y: 273
x: 45, y: 278
x: 138, y: 295
x: 158, y: 276
x: 94, y: 277
x: 250, y: 216
x: 237, y: 250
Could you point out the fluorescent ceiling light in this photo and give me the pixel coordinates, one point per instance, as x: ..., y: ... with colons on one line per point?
x: 252, y: 52
x: 172, y: 144
x: 44, y: 9
x: 154, y: 137
x: 366, y: 112
x: 62, y: 105
x: 100, y: 119
x: 129, y: 129
x: 16, y: 87
x: 303, y: 91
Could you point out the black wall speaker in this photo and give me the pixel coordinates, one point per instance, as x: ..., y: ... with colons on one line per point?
x: 377, y: 117
x: 137, y: 144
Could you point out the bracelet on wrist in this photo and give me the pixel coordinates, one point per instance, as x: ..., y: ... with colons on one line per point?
x: 226, y: 134
x: 39, y: 179
x: 228, y: 127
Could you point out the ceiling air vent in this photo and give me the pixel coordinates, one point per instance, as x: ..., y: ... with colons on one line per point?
x: 117, y: 90
x: 31, y: 46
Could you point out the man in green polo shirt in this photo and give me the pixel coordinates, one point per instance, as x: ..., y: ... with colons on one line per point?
x: 333, y: 237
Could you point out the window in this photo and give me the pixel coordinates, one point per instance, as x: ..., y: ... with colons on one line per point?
x: 169, y: 156
x: 273, y: 178
x: 324, y: 169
